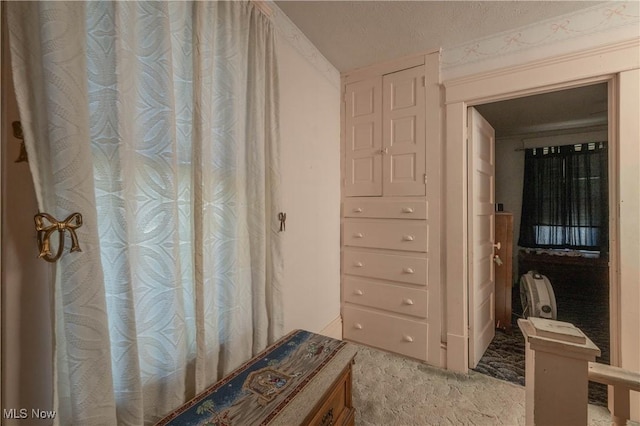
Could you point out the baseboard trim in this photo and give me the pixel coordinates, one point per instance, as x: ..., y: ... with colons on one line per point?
x: 443, y: 355
x: 457, y: 350
x: 333, y: 329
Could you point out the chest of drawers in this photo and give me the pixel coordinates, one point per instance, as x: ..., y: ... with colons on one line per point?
x: 391, y: 242
x: 385, y: 273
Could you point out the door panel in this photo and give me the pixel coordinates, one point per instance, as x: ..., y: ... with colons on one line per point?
x: 481, y: 161
x: 363, y: 122
x: 404, y: 132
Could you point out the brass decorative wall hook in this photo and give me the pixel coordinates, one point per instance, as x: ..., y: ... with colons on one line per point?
x: 71, y: 223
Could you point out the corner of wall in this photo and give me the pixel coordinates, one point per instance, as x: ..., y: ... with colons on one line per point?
x: 333, y: 329
x: 301, y: 43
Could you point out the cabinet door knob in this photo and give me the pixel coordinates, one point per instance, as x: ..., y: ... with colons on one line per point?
x: 407, y: 338
x: 358, y: 292
x: 408, y: 270
x: 357, y: 210
x: 407, y: 210
x: 358, y: 235
x: 408, y: 302
x: 358, y: 264
x: 408, y: 237
x: 357, y: 326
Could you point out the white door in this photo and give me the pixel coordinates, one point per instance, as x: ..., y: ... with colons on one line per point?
x: 481, y: 175
x: 403, y: 137
x: 363, y: 134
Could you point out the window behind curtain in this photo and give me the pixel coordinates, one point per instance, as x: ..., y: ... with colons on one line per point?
x: 565, y: 198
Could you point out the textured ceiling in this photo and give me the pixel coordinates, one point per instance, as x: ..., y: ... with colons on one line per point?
x: 353, y: 34
x: 567, y: 109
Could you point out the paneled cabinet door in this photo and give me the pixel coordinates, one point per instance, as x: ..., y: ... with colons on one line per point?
x: 403, y: 127
x: 385, y: 135
x: 363, y: 138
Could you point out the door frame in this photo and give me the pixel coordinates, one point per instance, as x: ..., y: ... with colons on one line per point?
x: 615, y: 64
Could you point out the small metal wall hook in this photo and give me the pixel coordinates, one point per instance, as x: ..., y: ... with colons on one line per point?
x: 17, y: 133
x: 282, y: 217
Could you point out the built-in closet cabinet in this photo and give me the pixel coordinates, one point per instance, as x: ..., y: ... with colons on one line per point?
x: 385, y: 130
x: 391, y: 161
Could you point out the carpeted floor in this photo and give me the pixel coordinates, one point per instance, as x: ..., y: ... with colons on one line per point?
x: 389, y: 389
x: 504, y: 359
x: 587, y: 309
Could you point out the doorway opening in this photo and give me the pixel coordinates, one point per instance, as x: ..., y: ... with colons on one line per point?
x: 572, y: 254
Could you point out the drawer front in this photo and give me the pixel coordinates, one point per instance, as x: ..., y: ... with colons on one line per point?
x: 395, y: 209
x: 406, y: 269
x: 407, y: 301
x: 337, y: 403
x: 387, y: 332
x: 394, y: 235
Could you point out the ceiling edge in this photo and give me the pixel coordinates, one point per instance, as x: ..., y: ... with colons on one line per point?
x: 591, y: 27
x: 301, y: 43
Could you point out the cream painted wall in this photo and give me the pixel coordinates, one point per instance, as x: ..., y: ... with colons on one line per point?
x: 310, y: 163
x: 510, y: 171
x: 509, y: 179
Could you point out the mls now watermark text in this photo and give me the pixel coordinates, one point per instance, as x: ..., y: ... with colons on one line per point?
x: 23, y: 413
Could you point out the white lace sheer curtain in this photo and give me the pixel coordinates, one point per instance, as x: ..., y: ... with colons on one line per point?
x: 158, y: 122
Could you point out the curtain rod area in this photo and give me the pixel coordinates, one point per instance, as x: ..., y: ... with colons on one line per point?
x: 551, y: 133
x: 557, y: 138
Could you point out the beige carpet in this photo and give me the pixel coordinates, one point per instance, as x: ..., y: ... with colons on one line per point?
x: 392, y: 390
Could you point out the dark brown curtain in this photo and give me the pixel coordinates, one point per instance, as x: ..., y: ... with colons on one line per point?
x: 565, y: 198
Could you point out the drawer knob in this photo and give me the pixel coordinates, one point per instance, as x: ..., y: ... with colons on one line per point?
x: 407, y: 338
x: 407, y: 210
x: 408, y: 237
x: 358, y: 292
x: 358, y: 235
x: 408, y: 302
x: 357, y: 210
x: 357, y: 326
x: 408, y: 270
x: 358, y: 264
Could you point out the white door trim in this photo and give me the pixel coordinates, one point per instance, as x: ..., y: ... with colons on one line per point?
x: 588, y: 67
